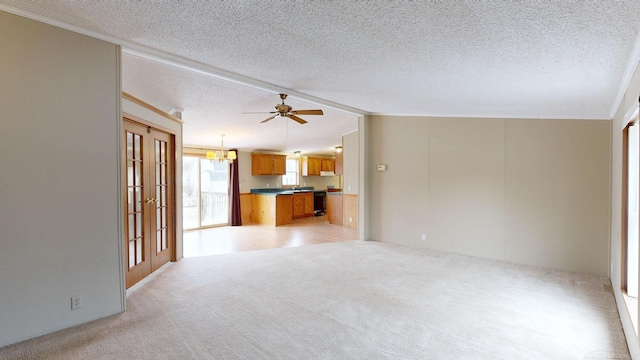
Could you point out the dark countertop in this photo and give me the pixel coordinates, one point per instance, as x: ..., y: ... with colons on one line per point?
x: 287, y: 191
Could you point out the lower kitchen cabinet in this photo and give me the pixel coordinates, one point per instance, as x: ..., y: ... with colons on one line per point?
x: 308, y: 204
x: 302, y: 204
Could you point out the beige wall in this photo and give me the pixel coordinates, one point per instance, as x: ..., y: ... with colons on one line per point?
x: 60, y: 189
x: 629, y: 104
x: 529, y: 191
x: 557, y: 194
x: 466, y: 186
x: 350, y: 156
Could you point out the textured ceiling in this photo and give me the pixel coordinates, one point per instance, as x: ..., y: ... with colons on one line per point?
x: 213, y: 107
x: 525, y: 59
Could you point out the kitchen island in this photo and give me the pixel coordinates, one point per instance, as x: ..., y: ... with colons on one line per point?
x: 334, y: 207
x: 279, y: 206
x: 271, y: 209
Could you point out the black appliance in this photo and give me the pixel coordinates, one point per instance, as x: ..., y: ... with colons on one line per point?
x: 319, y: 202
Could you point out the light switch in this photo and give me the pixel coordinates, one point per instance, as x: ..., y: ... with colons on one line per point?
x: 382, y: 167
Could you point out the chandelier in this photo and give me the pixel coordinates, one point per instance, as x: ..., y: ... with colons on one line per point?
x: 219, y: 155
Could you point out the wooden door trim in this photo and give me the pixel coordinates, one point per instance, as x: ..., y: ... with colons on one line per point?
x: 625, y: 208
x: 150, y: 107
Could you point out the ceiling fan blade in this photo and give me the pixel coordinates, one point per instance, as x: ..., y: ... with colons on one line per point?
x: 267, y: 119
x: 258, y: 112
x: 307, y: 112
x: 295, y: 118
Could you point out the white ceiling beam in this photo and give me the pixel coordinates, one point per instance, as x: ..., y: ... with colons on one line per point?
x: 170, y: 59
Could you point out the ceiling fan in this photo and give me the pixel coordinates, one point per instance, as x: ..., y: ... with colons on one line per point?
x: 284, y: 110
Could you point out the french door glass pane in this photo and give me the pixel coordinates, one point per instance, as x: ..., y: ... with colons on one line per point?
x: 191, y: 192
x: 134, y: 207
x: 214, y: 185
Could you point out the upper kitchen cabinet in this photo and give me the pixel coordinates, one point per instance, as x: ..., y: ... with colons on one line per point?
x: 327, y: 165
x: 312, y: 166
x: 338, y: 164
x: 268, y: 164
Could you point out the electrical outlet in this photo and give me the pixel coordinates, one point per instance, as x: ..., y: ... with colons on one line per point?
x: 424, y: 237
x: 76, y: 302
x: 348, y: 187
x: 350, y: 219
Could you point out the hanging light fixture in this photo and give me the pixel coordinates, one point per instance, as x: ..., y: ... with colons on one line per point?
x: 220, y: 156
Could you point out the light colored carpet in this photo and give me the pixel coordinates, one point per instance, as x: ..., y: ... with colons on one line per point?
x: 350, y: 300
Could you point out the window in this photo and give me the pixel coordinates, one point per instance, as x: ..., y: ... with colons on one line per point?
x: 293, y: 168
x: 205, y: 192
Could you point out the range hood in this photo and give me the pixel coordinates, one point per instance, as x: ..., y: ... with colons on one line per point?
x: 327, y: 173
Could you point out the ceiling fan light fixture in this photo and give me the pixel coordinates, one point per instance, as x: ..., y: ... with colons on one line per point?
x: 285, y: 111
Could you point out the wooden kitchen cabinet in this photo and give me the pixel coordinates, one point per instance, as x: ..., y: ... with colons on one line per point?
x: 327, y: 165
x: 268, y: 164
x: 279, y: 165
x: 298, y: 205
x: 302, y: 205
x: 338, y: 164
x: 308, y: 204
x: 271, y: 209
x: 311, y: 166
x: 334, y: 209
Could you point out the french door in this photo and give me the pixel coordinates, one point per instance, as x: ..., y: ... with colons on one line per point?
x: 149, y: 222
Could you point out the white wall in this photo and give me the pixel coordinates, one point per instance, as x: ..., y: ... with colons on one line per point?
x: 60, y: 194
x: 529, y: 191
x: 629, y: 103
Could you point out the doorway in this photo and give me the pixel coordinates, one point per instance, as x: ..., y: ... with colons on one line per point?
x: 150, y: 192
x: 205, y: 192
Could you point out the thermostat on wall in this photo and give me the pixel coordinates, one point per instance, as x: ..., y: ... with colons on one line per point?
x: 382, y: 167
